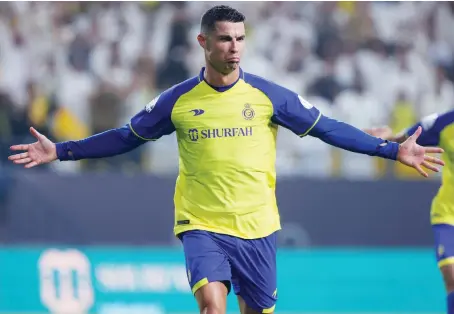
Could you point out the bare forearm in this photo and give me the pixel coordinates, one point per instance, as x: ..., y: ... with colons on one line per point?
x: 399, y: 138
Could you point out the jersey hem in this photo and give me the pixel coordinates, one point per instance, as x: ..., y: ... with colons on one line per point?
x: 180, y: 229
x: 442, y: 221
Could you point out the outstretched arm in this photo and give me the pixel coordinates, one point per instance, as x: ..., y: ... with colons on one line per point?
x: 347, y: 137
x: 295, y: 113
x: 149, y: 124
x: 106, y: 144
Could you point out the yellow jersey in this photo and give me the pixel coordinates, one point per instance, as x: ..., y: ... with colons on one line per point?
x: 227, y: 150
x: 439, y: 130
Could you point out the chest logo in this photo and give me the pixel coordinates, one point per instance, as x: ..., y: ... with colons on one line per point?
x: 206, y: 134
x: 248, y: 112
x: 193, y: 135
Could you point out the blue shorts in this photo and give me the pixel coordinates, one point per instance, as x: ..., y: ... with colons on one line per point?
x: 444, y: 243
x: 248, y: 265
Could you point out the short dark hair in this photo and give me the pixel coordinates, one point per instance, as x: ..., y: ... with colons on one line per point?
x: 220, y: 13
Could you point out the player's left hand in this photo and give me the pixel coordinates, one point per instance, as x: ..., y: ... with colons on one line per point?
x: 415, y: 156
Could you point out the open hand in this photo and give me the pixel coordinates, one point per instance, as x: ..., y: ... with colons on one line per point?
x: 41, y: 152
x: 413, y: 155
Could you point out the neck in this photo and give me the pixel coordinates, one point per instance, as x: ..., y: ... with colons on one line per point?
x: 215, y: 78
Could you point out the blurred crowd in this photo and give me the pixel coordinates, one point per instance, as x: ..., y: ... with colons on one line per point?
x: 72, y: 69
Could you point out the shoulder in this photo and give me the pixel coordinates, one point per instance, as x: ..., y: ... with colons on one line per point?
x: 275, y: 92
x: 438, y: 121
x: 169, y: 97
x: 445, y: 119
x: 265, y: 85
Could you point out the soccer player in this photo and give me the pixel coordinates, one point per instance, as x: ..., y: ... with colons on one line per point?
x: 438, y: 130
x: 226, y: 122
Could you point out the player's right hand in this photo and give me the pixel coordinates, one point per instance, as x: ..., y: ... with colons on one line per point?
x: 41, y: 152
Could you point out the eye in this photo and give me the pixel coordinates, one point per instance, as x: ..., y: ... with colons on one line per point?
x: 225, y: 38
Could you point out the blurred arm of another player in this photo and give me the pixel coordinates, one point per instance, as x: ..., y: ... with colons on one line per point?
x: 431, y: 126
x: 386, y: 133
x: 302, y: 118
x: 148, y: 125
x: 383, y: 132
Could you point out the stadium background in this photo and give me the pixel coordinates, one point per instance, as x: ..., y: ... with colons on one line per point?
x: 96, y: 236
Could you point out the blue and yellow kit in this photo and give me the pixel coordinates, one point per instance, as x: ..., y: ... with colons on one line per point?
x: 225, y: 205
x: 226, y: 184
x: 227, y: 146
x: 438, y: 130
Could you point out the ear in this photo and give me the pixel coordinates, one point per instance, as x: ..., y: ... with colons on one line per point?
x: 202, y: 40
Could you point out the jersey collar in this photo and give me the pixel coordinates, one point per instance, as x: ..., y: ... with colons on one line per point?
x: 220, y: 88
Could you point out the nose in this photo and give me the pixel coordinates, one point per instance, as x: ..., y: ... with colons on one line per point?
x: 234, y: 46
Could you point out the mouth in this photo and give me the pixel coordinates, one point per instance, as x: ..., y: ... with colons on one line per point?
x: 233, y: 60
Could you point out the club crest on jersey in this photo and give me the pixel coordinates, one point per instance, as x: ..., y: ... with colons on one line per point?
x: 151, y: 105
x: 248, y: 112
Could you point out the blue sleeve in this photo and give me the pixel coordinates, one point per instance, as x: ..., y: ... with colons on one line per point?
x: 296, y: 114
x: 154, y: 120
x: 347, y: 137
x: 289, y: 109
x: 149, y: 124
x: 432, y: 126
x: 110, y: 143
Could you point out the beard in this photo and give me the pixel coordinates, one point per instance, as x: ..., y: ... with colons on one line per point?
x: 223, y: 67
x: 231, y: 66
